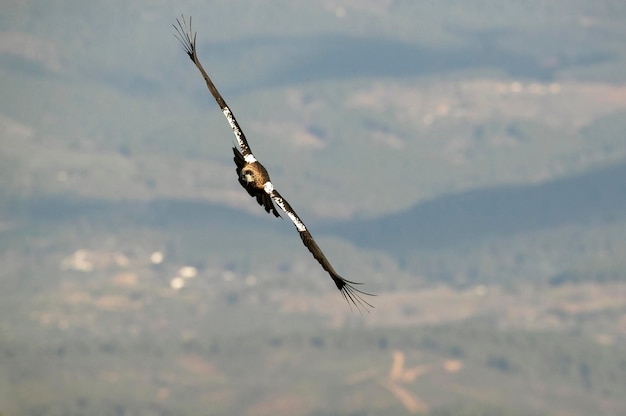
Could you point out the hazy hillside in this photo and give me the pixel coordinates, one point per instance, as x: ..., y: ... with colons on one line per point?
x: 466, y: 161
x: 593, y: 198
x: 374, y: 91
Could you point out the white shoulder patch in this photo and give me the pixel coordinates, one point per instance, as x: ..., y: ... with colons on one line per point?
x: 267, y: 186
x: 249, y: 158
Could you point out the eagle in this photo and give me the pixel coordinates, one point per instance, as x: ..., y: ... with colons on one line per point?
x: 253, y: 176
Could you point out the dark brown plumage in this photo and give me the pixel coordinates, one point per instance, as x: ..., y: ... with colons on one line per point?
x: 255, y: 189
x: 253, y: 177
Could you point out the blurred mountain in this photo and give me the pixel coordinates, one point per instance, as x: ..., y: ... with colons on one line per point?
x: 587, y: 199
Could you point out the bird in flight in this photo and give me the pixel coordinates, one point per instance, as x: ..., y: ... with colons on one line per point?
x: 256, y: 181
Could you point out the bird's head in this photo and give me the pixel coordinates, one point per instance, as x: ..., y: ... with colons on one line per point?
x: 247, y: 176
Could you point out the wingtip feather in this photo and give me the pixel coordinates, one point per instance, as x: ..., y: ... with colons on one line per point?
x: 351, y: 294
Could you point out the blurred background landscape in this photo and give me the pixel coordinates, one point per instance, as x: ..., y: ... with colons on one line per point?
x: 465, y: 160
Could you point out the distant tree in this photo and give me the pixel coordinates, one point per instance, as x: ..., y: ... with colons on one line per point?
x: 382, y: 343
x: 124, y: 150
x: 585, y: 374
x: 318, y: 342
x: 499, y: 362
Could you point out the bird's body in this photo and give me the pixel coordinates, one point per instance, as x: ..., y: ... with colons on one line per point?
x: 253, y: 176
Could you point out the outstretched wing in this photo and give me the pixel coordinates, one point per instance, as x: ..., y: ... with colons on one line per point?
x: 261, y: 197
x: 184, y: 35
x: 349, y: 292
